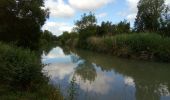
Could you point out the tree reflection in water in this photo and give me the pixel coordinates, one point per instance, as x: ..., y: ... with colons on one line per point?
x: 86, y: 71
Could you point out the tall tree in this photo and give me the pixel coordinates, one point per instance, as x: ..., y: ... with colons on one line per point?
x: 21, y: 21
x: 85, y: 22
x: 86, y: 27
x: 149, y: 15
x: 165, y: 22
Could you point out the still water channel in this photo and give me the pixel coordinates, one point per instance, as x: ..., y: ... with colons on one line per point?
x: 84, y: 75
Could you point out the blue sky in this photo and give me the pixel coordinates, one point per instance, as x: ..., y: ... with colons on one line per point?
x: 63, y: 13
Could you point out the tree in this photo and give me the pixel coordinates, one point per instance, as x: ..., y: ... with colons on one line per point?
x: 21, y: 21
x: 123, y: 27
x: 149, y: 15
x: 86, y: 27
x: 165, y: 23
x: 105, y: 28
x: 48, y: 36
x: 85, y: 22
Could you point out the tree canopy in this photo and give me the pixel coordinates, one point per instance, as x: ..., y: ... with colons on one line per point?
x: 21, y: 21
x: 149, y: 16
x: 86, y: 21
x: 86, y: 27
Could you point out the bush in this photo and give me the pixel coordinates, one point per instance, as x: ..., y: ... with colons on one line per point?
x: 19, y: 68
x: 21, y: 77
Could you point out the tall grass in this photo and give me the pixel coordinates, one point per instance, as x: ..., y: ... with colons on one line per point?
x: 21, y: 77
x: 152, y: 46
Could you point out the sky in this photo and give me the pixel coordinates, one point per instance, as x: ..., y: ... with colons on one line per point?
x: 63, y: 13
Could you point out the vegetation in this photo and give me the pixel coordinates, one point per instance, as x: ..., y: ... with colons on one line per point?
x: 21, y: 38
x: 137, y: 45
x: 68, y: 38
x: 21, y: 75
x: 86, y: 26
x: 148, y: 40
x: 21, y: 22
x: 152, y: 16
x: 47, y: 38
x: 20, y: 41
x: 107, y: 28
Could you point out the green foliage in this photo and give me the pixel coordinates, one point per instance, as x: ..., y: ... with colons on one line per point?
x: 122, y: 27
x: 72, y: 91
x: 107, y: 28
x: 150, y: 15
x: 104, y: 29
x: 85, y: 22
x: 85, y: 34
x: 138, y: 42
x: 45, y: 92
x: 48, y: 36
x: 21, y: 77
x: 151, y: 45
x: 68, y: 38
x: 64, y: 37
x: 165, y: 23
x: 86, y: 27
x: 19, y: 68
x: 21, y: 21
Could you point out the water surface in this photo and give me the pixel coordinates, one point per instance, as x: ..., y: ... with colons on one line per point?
x: 84, y: 75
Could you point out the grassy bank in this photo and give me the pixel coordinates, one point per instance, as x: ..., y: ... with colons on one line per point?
x: 21, y: 77
x: 146, y: 46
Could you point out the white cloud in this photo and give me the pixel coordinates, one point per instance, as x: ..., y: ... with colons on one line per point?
x: 57, y: 28
x: 61, y: 67
x: 101, y: 15
x: 59, y: 9
x: 101, y: 84
x: 54, y: 53
x: 88, y: 5
x: 131, y: 17
x: 132, y: 11
x: 167, y: 2
x: 132, y: 5
x: 129, y: 81
x: 59, y: 70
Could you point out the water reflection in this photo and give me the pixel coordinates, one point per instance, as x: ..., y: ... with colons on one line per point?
x: 86, y: 71
x: 101, y: 77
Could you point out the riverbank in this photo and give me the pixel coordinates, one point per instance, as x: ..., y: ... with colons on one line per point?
x: 21, y: 76
x: 144, y: 46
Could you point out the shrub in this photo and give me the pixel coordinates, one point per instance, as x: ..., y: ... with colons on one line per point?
x: 19, y: 68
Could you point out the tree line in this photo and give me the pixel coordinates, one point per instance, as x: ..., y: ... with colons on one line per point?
x: 148, y: 39
x: 153, y: 16
x: 87, y: 27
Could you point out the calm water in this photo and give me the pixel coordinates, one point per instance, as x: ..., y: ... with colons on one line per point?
x: 84, y: 75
